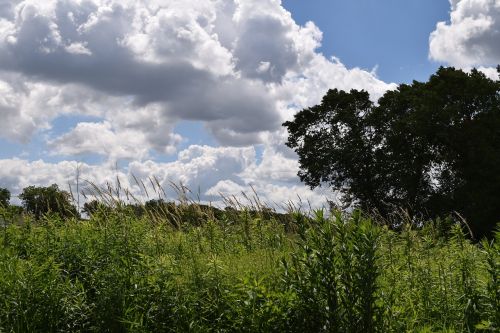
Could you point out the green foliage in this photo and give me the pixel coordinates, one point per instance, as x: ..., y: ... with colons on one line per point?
x: 40, y: 201
x: 243, y: 272
x: 492, y: 251
x: 432, y: 148
x: 4, y: 197
x: 94, y: 207
x: 334, y: 275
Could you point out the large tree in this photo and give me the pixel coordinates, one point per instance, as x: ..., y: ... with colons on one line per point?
x: 4, y: 197
x: 43, y: 200
x: 432, y: 148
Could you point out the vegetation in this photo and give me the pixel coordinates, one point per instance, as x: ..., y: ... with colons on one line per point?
x: 418, y: 162
x: 4, y: 197
x: 43, y: 200
x: 243, y: 271
x: 431, y: 148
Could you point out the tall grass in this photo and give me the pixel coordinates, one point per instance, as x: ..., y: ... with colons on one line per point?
x: 188, y: 268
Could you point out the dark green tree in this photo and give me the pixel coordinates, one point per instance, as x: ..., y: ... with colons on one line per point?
x: 432, y: 148
x: 95, y: 206
x: 42, y: 200
x: 4, y: 197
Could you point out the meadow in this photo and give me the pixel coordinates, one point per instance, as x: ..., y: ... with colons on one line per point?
x: 244, y: 270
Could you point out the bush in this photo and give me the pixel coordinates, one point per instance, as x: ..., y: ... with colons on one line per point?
x: 118, y: 272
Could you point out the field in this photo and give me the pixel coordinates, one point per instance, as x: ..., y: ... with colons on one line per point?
x: 244, y: 270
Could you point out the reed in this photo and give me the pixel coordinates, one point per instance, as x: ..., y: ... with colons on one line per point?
x: 187, y: 266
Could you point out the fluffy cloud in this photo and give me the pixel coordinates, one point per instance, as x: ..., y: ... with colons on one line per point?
x: 154, y: 54
x: 102, y: 138
x: 28, y: 107
x: 472, y: 36
x: 139, y: 67
x: 198, y: 167
x: 208, y: 172
x: 219, y: 62
x: 17, y: 173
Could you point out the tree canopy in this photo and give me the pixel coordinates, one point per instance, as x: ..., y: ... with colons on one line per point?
x: 42, y: 200
x: 430, y: 147
x: 4, y: 197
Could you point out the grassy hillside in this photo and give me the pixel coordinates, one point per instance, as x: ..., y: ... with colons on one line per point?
x: 244, y: 272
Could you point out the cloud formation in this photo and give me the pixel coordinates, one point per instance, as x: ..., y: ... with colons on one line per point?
x: 208, y: 172
x: 212, y: 61
x: 103, y: 139
x: 139, y: 67
x: 471, y: 38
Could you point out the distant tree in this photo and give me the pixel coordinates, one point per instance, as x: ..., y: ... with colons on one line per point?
x: 94, y: 206
x: 4, y: 197
x: 432, y: 148
x: 42, y: 200
x: 156, y: 205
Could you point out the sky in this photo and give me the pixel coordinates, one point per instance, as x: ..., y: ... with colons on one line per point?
x: 195, y: 91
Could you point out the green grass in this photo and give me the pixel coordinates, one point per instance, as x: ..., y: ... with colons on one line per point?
x: 244, y: 272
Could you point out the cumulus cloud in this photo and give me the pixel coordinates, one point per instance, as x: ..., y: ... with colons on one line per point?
x: 208, y: 172
x: 275, y: 167
x: 18, y: 173
x: 212, y: 173
x: 139, y: 67
x: 165, y: 54
x: 28, y: 107
x: 265, y: 49
x: 103, y: 139
x: 219, y: 62
x: 198, y: 167
x: 472, y: 36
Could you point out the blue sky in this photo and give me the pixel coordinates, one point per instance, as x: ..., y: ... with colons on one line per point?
x: 195, y: 91
x: 390, y: 34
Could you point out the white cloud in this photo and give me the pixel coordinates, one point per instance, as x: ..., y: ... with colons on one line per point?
x: 275, y: 167
x: 166, y: 54
x: 28, y: 107
x: 472, y: 36
x: 139, y: 67
x: 198, y: 166
x: 213, y: 61
x: 78, y: 48
x: 101, y: 138
x: 17, y: 173
x: 207, y: 171
x: 275, y: 196
x: 212, y: 172
x: 490, y: 72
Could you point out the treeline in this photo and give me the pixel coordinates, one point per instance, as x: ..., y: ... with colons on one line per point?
x: 39, y: 201
x: 51, y: 202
